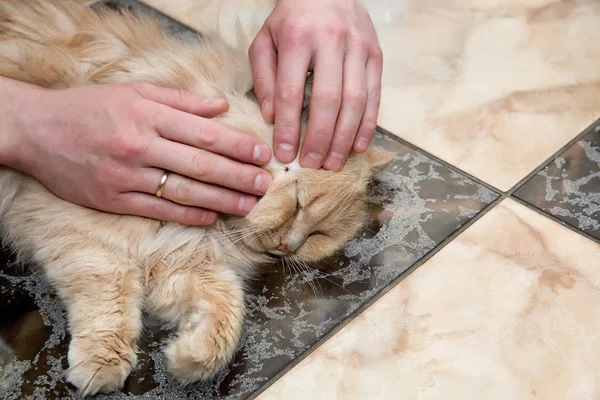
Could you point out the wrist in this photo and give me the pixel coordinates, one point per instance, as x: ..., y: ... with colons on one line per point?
x: 15, y: 111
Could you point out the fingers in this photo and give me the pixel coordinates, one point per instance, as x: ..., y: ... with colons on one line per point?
x: 368, y: 124
x: 188, y: 192
x: 324, y: 104
x: 148, y: 206
x: 263, y: 59
x: 208, y: 167
x: 294, y: 61
x: 182, y: 100
x: 211, y: 136
x: 354, y: 99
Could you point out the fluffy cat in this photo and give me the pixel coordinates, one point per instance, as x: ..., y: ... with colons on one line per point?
x: 107, y: 268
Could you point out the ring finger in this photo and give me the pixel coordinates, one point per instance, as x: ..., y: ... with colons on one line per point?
x: 208, y: 167
x: 188, y: 192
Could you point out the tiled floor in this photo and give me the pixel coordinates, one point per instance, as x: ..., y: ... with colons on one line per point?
x: 479, y: 276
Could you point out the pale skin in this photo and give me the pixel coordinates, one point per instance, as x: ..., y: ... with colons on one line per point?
x: 106, y: 146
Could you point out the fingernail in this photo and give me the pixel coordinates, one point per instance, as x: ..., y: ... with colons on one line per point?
x: 262, y: 182
x: 334, y: 161
x: 362, y: 144
x: 266, y: 111
x: 313, y: 161
x: 285, y: 153
x: 208, y: 217
x: 246, y: 204
x: 261, y: 153
x: 215, y: 102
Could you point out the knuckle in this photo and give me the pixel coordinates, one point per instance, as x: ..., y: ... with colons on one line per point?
x: 205, y: 136
x: 327, y: 96
x: 183, y: 191
x: 125, y: 147
x: 375, y: 97
x: 286, y: 133
x: 139, y: 111
x: 369, y: 126
x: 242, y: 178
x: 321, y: 136
x: 376, y: 53
x: 111, y: 175
x: 243, y: 148
x: 202, y: 169
x: 290, y: 94
x: 336, y: 30
x: 360, y: 43
x: 355, y: 96
x: 182, y: 95
x: 296, y: 29
x: 158, y: 209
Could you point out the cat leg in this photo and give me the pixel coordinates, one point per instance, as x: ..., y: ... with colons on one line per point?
x: 207, y: 305
x: 103, y: 293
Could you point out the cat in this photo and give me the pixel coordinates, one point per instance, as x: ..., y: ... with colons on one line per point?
x: 107, y: 268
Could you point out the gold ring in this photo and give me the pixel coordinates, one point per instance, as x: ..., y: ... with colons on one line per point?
x: 161, y: 185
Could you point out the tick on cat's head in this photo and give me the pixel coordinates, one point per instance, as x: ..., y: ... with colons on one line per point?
x: 311, y: 214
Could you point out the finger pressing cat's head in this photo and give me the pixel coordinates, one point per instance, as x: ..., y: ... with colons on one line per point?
x: 311, y: 214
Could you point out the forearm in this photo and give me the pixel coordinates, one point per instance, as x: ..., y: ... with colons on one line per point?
x: 13, y: 96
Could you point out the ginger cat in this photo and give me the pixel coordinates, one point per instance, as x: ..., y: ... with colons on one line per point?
x: 107, y: 268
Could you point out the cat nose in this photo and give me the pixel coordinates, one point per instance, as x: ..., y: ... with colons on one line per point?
x: 291, y: 242
x: 283, y: 246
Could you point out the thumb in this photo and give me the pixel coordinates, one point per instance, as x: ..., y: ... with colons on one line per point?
x: 263, y: 59
x: 183, y: 100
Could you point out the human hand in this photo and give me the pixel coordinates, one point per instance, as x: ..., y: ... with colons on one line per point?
x: 107, y: 146
x: 336, y: 39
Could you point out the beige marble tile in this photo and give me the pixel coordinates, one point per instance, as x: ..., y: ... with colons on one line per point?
x: 508, y: 310
x: 221, y: 16
x: 492, y: 86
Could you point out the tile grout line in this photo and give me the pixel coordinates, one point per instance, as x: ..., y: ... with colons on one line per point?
x: 553, y: 218
x: 547, y: 162
x: 435, y: 158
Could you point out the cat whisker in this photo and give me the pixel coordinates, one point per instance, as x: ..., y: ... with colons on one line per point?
x: 305, y: 273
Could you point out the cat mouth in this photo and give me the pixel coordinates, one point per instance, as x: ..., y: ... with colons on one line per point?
x: 278, y: 253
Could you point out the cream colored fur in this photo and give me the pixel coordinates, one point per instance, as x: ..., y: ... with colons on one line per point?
x: 108, y: 268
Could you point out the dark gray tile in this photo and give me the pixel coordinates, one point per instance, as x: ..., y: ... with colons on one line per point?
x: 415, y: 204
x: 569, y: 187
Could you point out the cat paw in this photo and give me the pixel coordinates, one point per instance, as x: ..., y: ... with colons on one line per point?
x: 95, y: 369
x: 196, y: 356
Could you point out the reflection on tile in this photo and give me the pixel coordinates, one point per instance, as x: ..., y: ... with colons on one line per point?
x: 569, y: 187
x: 415, y: 204
x: 493, y: 87
x: 508, y: 310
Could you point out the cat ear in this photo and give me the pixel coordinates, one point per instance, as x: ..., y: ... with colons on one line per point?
x: 378, y: 157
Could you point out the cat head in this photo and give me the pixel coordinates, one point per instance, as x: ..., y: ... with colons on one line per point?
x: 306, y: 214
x: 311, y: 214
